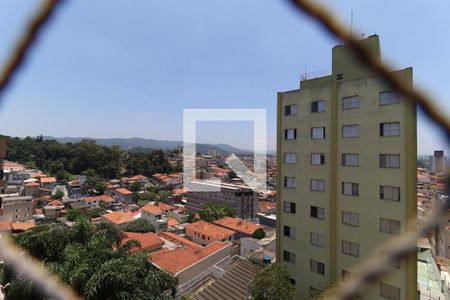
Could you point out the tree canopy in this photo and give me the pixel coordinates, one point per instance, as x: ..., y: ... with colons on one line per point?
x: 84, y: 257
x: 140, y: 225
x: 273, y: 283
x: 211, y: 212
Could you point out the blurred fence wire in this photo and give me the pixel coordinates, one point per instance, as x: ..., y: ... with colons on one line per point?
x: 367, y: 272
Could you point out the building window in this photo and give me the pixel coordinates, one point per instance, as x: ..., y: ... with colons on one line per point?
x: 289, y: 207
x: 390, y: 129
x: 290, y: 158
x: 203, y: 236
x: 350, y: 248
x: 290, y: 110
x: 289, y: 257
x: 350, y: 102
x: 17, y: 209
x: 290, y: 182
x: 290, y: 134
x: 350, y: 131
x: 318, y: 106
x: 317, y: 158
x: 350, y: 188
x: 349, y: 218
x: 316, y: 266
x: 387, y: 98
x: 389, y: 226
x: 317, y: 212
x: 289, y: 232
x: 391, y: 193
x: 350, y: 159
x: 390, y: 161
x: 17, y: 216
x: 292, y: 280
x: 389, y: 292
x: 317, y: 185
x: 317, y: 133
x: 317, y: 239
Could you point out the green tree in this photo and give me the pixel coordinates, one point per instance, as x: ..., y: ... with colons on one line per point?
x: 140, y: 225
x: 73, y: 214
x: 58, y: 194
x: 136, y: 187
x: 211, y: 212
x: 191, y: 215
x: 273, y: 283
x: 259, y: 234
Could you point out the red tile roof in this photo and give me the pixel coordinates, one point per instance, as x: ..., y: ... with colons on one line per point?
x: 149, y: 241
x: 238, y: 225
x: 172, y: 222
x: 179, y: 240
x: 266, y: 205
x: 118, y: 217
x: 214, y: 231
x: 165, y: 207
x: 176, y: 260
x: 104, y: 198
x: 123, y: 191
x: 23, y: 226
x: 48, y: 179
x: 55, y: 202
x: 153, y: 209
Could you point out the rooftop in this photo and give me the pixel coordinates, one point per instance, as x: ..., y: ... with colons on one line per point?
x: 124, y: 191
x: 238, y: 225
x: 174, y: 261
x: 153, y: 209
x: 147, y: 240
x: 48, y: 179
x: 214, y: 231
x: 118, y: 217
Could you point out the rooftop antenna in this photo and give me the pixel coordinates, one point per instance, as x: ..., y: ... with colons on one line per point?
x: 351, y: 22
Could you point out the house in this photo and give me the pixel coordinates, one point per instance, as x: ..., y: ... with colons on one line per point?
x: 75, y: 188
x: 185, y: 263
x: 154, y: 215
x: 204, y: 233
x: 149, y: 241
x: 123, y: 195
x: 48, y: 183
x: 17, y: 178
x: 165, y: 208
x: 16, y: 208
x: 118, y: 219
x: 10, y: 167
x: 22, y: 226
x: 243, y: 228
x: 32, y: 189
x: 55, y: 209
x: 94, y: 201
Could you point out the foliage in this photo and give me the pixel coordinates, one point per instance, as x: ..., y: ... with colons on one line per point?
x: 136, y: 187
x: 58, y: 194
x: 191, y: 215
x: 84, y: 257
x: 273, y: 283
x: 73, y: 214
x: 140, y: 225
x: 95, y: 212
x: 259, y: 234
x: 85, y: 157
x: 212, y: 211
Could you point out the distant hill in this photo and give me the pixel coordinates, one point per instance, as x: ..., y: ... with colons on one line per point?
x: 141, y: 144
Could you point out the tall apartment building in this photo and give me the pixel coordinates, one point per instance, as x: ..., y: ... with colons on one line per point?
x: 346, y: 175
x: 438, y: 162
x: 242, y: 199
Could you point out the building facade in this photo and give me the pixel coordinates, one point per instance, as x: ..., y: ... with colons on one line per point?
x: 438, y: 162
x: 16, y: 208
x: 241, y: 198
x: 346, y: 147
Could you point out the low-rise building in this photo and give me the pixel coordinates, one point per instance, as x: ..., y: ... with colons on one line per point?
x: 48, y: 183
x: 123, y: 195
x: 148, y: 241
x: 17, y: 178
x: 32, y: 189
x: 118, y: 219
x: 242, y: 228
x: 154, y: 215
x: 16, y: 208
x: 185, y: 263
x: 204, y: 233
x: 54, y: 209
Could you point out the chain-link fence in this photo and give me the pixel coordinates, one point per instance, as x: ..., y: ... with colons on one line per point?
x: 49, y: 286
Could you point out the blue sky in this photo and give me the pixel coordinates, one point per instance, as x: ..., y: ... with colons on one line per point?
x: 108, y: 69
